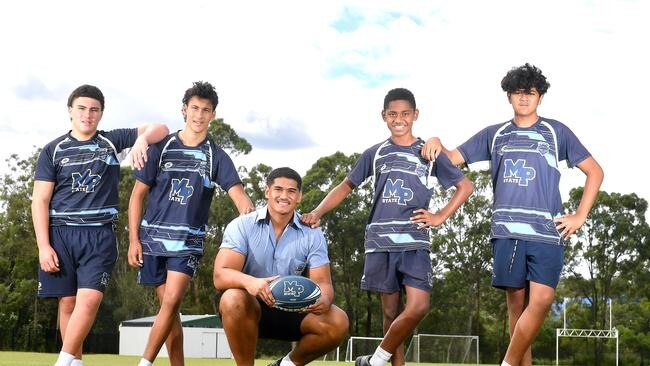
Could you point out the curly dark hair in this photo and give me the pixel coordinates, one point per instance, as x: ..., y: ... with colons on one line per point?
x: 202, y: 89
x: 399, y: 94
x: 525, y: 78
x: 87, y: 91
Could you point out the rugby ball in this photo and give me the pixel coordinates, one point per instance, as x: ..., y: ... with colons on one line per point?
x: 293, y: 293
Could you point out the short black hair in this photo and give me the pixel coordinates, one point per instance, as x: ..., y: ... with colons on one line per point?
x: 399, y: 94
x: 284, y: 172
x: 87, y: 91
x: 525, y: 78
x: 204, y: 90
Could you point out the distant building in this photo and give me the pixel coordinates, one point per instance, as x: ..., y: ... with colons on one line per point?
x: 203, y: 337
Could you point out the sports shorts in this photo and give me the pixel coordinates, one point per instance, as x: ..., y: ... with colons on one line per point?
x: 389, y: 272
x: 279, y: 324
x: 518, y: 261
x: 86, y: 256
x: 154, y: 268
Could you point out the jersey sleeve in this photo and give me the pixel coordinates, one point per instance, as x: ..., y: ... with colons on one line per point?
x: 363, y: 167
x: 226, y: 174
x: 318, y: 250
x: 478, y: 147
x: 447, y: 173
x: 234, y: 237
x: 122, y: 138
x: 570, y: 148
x: 148, y: 173
x: 45, y: 169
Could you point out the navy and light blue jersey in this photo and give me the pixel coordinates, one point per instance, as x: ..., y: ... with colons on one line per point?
x: 182, y: 180
x: 402, y: 183
x: 525, y: 175
x: 86, y: 176
x: 298, y: 249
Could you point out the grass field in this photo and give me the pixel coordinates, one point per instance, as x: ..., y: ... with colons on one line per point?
x: 48, y: 359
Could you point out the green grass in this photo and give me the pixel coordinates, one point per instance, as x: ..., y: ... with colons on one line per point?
x: 48, y: 359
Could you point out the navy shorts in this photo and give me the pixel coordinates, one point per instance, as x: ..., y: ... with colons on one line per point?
x: 86, y: 258
x: 279, y: 324
x: 518, y: 261
x: 154, y: 269
x: 389, y: 272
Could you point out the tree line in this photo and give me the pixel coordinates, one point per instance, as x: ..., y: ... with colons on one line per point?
x: 606, y: 262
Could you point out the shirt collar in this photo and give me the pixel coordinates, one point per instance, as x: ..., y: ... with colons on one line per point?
x: 262, y: 215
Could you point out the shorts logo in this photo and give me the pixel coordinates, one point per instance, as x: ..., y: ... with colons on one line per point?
x: 395, y: 192
x: 181, y: 191
x: 86, y: 182
x: 292, y: 288
x: 105, y: 279
x: 518, y: 172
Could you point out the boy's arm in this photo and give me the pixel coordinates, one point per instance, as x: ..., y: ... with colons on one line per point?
x: 421, y: 216
x: 333, y: 199
x: 147, y: 135
x: 136, y: 205
x: 433, y: 147
x: 41, y: 197
x: 241, y: 199
x: 228, y: 274
x: 323, y: 278
x: 568, y: 224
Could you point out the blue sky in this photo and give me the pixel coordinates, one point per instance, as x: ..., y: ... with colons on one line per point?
x: 302, y: 80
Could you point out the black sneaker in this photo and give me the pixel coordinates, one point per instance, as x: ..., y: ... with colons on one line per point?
x: 276, y: 362
x: 362, y: 361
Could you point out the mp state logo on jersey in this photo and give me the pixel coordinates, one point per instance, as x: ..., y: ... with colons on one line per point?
x: 85, y: 182
x: 395, y: 192
x: 292, y: 288
x: 518, y: 172
x: 181, y: 190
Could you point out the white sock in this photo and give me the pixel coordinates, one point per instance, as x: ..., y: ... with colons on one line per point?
x: 145, y: 362
x: 77, y: 362
x: 286, y: 361
x: 504, y: 363
x: 65, y: 359
x: 380, y: 357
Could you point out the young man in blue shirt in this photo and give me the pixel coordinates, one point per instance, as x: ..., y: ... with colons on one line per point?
x: 397, y: 242
x: 74, y: 207
x: 166, y: 244
x: 528, y: 224
x: 258, y: 248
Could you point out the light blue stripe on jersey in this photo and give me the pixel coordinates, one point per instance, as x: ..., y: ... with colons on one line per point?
x: 200, y: 155
x: 409, y: 157
x: 402, y: 238
x: 177, y: 227
x: 394, y: 222
x: 112, y: 211
x: 525, y: 229
x: 546, y: 215
x: 172, y: 245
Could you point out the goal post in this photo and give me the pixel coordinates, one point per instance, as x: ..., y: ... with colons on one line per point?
x: 359, y: 346
x: 447, y: 348
x: 611, y: 333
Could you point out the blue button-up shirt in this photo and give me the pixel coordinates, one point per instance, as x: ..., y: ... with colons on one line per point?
x: 299, y: 247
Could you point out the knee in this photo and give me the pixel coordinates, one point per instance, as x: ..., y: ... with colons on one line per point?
x: 172, y: 301
x: 233, y: 303
x: 66, y: 304
x: 417, y: 310
x: 390, y: 313
x: 338, y: 325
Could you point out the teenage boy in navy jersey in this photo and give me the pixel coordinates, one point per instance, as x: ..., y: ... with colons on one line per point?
x: 397, y: 243
x: 74, y: 207
x: 166, y: 244
x: 528, y: 226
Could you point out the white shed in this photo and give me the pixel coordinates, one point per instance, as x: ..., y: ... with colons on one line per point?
x: 203, y: 337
